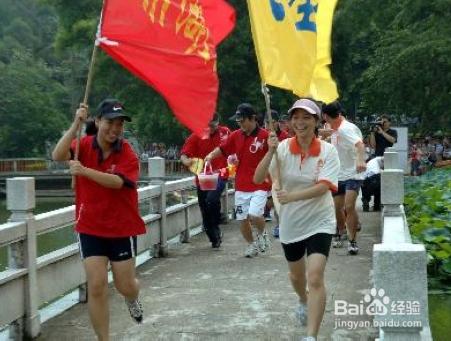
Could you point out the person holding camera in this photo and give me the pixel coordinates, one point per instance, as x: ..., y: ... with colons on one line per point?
x: 381, y: 136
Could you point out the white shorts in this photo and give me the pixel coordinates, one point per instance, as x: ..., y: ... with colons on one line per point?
x: 250, y: 203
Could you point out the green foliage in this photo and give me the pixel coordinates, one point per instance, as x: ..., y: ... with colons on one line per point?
x: 31, y: 116
x: 388, y: 56
x: 31, y: 104
x: 397, y: 62
x: 428, y: 209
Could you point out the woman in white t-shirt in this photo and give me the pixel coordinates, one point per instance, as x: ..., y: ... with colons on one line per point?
x: 308, y: 169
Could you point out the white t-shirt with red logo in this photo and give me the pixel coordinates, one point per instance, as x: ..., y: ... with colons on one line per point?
x: 301, y: 219
x: 345, y: 139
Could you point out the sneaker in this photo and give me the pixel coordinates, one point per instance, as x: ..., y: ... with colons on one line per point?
x: 337, y: 242
x: 251, y: 251
x: 366, y: 207
x: 263, y: 242
x: 353, y: 249
x: 275, y: 231
x: 136, y: 310
x: 308, y: 338
x: 301, y: 314
x: 268, y: 218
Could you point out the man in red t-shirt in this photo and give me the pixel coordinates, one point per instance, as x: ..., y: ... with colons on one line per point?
x: 107, y: 216
x: 209, y: 201
x: 249, y: 143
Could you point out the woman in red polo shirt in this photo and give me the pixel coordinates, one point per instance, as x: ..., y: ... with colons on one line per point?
x: 107, y: 216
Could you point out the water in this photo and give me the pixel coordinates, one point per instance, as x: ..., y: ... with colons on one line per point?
x: 49, y: 241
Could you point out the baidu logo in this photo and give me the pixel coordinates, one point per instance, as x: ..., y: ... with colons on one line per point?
x: 374, y: 303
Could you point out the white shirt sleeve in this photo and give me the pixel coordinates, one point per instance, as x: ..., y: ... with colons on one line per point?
x: 351, y: 135
x: 329, y: 172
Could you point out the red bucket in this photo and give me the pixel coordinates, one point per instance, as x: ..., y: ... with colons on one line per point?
x: 208, y: 181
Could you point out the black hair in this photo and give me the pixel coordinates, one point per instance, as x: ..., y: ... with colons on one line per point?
x: 90, y: 128
x: 333, y: 109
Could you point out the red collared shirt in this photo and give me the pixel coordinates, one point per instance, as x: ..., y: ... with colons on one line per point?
x: 198, y: 147
x: 102, y: 211
x: 250, y: 149
x: 282, y: 135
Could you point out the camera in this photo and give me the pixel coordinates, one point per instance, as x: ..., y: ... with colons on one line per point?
x: 375, y: 125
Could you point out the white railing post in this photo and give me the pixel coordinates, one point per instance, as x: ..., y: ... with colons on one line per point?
x: 21, y: 202
x: 392, y: 191
x: 185, y: 235
x: 156, y: 175
x: 399, y: 267
x: 391, y: 159
x: 400, y: 270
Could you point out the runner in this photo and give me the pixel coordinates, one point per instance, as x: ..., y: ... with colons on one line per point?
x: 107, y: 216
x: 347, y: 138
x: 249, y: 144
x: 209, y: 201
x: 308, y: 173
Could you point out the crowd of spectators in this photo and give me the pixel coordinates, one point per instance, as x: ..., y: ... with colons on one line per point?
x: 427, y: 152
x: 160, y: 149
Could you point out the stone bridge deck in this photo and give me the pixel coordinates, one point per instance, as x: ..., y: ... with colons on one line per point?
x: 201, y: 294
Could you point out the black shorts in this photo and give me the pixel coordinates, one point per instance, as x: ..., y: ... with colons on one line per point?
x: 116, y: 249
x: 318, y: 243
x: 347, y: 185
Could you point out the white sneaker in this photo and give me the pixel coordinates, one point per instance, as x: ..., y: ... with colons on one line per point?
x: 337, y: 242
x: 263, y: 242
x: 353, y: 249
x: 252, y: 250
x: 301, y: 314
x: 308, y: 338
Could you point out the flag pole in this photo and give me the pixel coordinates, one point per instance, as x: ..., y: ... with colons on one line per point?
x: 86, y: 96
x: 265, y: 92
x: 85, y: 103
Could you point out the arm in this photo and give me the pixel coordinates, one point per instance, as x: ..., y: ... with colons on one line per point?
x: 360, y: 162
x: 308, y: 193
x: 61, y: 152
x: 372, y: 140
x: 107, y: 180
x: 186, y: 160
x: 261, y: 172
x: 389, y: 138
x: 213, y: 154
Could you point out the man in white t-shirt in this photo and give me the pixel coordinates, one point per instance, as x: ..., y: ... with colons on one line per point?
x: 347, y: 139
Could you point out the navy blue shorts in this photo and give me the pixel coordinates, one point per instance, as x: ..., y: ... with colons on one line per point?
x: 115, y: 249
x: 348, y: 185
x: 318, y: 243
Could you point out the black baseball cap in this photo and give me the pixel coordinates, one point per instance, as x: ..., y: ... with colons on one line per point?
x: 244, y: 110
x: 111, y: 108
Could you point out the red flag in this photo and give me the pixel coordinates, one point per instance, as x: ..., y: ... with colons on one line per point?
x: 171, y: 45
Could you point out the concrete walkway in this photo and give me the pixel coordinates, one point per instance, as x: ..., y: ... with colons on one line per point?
x: 201, y: 294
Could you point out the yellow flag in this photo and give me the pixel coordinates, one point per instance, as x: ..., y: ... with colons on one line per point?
x: 323, y: 87
x: 285, y: 34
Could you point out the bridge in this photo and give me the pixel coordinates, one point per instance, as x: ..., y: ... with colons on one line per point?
x: 52, y: 179
x: 191, y: 292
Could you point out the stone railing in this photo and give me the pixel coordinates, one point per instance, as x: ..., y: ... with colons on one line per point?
x: 399, y: 267
x: 30, y: 281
